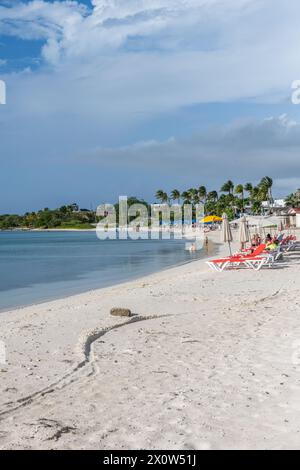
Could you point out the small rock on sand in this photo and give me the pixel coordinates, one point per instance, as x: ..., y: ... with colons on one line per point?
x: 121, y: 312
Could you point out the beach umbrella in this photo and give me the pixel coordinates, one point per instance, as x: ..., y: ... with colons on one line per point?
x: 226, y: 232
x: 244, y: 235
x: 210, y: 219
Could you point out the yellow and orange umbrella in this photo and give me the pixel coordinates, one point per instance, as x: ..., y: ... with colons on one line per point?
x: 210, y: 219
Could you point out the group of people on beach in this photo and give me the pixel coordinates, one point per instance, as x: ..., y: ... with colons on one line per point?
x: 271, y: 242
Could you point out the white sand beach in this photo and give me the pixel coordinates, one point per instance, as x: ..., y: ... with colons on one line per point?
x: 209, y: 361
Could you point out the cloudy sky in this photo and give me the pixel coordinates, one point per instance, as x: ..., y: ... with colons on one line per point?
x: 109, y: 97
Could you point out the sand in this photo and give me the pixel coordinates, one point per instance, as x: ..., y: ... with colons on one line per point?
x: 208, y: 361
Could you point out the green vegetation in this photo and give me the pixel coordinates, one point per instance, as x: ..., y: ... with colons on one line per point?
x: 293, y: 199
x: 232, y: 199
x: 130, y: 202
x: 66, y: 217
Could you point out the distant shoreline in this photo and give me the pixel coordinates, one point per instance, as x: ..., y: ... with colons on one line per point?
x: 187, y: 233
x: 50, y: 230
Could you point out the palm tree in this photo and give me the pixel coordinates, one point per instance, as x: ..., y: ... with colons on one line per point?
x: 202, y: 193
x: 193, y: 193
x: 257, y: 197
x: 213, y: 195
x: 228, y: 187
x: 248, y: 187
x: 162, y: 196
x: 266, y: 184
x: 297, y: 196
x: 186, y: 197
x: 239, y: 189
x: 175, y: 195
x: 210, y: 203
x: 290, y: 200
x: 293, y: 200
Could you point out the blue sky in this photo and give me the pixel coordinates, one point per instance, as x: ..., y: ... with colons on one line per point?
x: 114, y: 97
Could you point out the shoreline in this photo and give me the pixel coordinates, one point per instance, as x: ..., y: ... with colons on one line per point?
x: 94, y: 276
x: 33, y: 230
x: 186, y: 233
x: 214, y: 248
x: 211, y: 353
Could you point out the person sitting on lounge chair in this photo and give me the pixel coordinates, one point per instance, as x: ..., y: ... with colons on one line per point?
x: 271, y: 246
x: 255, y: 241
x: 268, y: 238
x: 258, y: 239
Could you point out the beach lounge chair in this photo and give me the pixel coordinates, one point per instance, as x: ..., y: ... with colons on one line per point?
x: 249, y: 261
x: 257, y: 252
x: 276, y: 253
x: 262, y: 249
x: 289, y: 243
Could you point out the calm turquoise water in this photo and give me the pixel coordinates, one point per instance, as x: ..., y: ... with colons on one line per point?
x: 35, y: 267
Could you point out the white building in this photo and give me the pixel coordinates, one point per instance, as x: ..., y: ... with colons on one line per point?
x: 277, y: 204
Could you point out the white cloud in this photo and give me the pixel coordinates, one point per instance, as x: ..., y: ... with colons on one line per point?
x: 123, y: 62
x: 157, y: 55
x: 39, y: 19
x: 74, y: 32
x: 243, y: 151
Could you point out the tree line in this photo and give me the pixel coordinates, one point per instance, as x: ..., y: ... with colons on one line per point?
x: 232, y: 199
x: 65, y: 217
